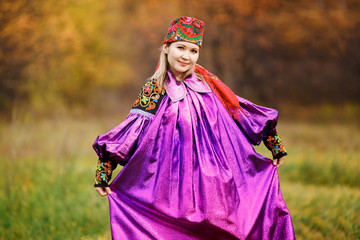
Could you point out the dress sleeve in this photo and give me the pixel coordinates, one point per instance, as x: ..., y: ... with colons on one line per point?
x: 119, y: 143
x: 257, y: 122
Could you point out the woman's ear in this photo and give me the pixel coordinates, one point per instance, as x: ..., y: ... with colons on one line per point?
x: 165, y: 48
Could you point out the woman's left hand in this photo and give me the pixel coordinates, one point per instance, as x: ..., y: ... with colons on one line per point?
x: 278, y: 162
x: 103, y: 191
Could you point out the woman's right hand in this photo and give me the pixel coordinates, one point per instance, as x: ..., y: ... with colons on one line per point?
x: 103, y: 191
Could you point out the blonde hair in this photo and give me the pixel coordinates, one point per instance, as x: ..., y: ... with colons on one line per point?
x: 161, y: 72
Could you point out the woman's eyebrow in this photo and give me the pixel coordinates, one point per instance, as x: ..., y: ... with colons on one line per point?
x: 183, y: 45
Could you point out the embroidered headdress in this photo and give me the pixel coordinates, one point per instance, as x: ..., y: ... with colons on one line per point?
x: 190, y: 29
x: 186, y: 29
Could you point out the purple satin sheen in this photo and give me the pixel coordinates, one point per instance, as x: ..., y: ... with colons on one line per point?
x: 257, y: 121
x: 176, y: 90
x: 119, y: 143
x: 193, y: 173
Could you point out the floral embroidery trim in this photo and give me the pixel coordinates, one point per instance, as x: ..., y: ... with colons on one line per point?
x: 103, y: 173
x: 150, y: 97
x: 185, y: 29
x: 274, y: 144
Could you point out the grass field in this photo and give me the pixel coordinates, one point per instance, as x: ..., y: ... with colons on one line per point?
x: 47, y: 170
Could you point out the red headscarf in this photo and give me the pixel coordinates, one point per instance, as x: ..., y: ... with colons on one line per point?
x: 223, y: 92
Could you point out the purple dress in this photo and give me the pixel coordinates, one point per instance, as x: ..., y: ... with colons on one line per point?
x: 191, y: 171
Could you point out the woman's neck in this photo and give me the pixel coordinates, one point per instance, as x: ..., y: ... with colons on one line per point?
x: 179, y: 77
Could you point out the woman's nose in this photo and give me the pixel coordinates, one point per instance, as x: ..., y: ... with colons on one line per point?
x: 185, y: 55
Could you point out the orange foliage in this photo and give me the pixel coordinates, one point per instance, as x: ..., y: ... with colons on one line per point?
x: 65, y: 52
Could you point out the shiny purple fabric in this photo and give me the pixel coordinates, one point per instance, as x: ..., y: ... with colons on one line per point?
x: 192, y: 172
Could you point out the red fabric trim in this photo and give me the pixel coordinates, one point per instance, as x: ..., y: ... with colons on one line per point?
x: 223, y: 92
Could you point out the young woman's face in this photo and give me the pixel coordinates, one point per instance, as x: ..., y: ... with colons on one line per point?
x: 182, y: 56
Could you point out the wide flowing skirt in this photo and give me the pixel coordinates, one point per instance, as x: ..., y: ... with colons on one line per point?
x: 195, y: 175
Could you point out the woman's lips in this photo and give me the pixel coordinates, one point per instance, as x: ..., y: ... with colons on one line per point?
x: 183, y: 64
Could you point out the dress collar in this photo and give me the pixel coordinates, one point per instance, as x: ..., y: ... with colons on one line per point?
x: 177, y: 90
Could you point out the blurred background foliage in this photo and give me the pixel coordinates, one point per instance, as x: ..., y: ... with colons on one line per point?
x: 91, y: 57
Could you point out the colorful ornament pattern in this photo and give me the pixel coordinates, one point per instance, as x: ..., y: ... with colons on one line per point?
x: 274, y: 144
x: 103, y: 173
x: 187, y: 29
x: 150, y: 97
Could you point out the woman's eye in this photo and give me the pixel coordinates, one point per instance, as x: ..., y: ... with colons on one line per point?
x: 180, y: 47
x: 194, y: 51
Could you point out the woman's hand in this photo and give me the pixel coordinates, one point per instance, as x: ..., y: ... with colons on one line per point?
x: 278, y: 162
x: 103, y: 191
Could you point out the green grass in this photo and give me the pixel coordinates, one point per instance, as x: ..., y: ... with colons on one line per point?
x: 322, y: 154
x: 47, y: 171
x: 50, y: 200
x: 323, y: 212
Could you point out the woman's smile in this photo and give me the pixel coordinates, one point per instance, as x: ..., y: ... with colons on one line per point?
x: 182, y: 57
x: 183, y: 63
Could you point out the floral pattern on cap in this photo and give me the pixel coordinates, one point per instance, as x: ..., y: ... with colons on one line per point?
x: 187, y: 29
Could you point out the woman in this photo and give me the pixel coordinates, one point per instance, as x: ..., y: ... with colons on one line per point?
x: 190, y: 171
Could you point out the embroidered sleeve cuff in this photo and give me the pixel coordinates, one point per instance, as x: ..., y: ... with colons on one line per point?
x: 274, y: 144
x: 103, y: 172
